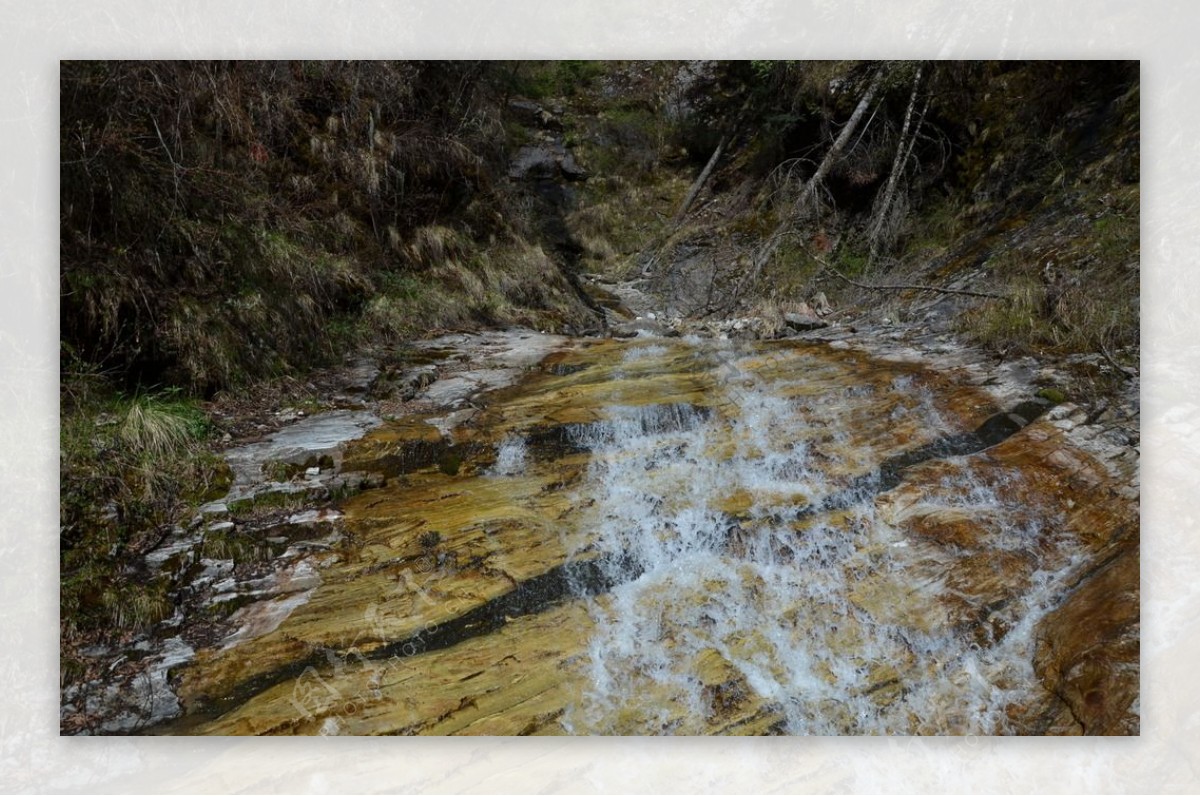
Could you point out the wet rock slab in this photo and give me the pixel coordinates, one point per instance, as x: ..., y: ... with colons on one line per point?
x: 434, y: 615
x: 301, y: 444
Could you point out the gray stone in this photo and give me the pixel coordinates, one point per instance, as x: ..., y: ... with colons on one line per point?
x: 533, y: 162
x: 803, y: 322
x: 178, y: 542
x: 146, y: 698
x: 310, y: 438
x: 639, y: 327
x: 312, y: 516
x: 361, y: 375
x: 547, y: 160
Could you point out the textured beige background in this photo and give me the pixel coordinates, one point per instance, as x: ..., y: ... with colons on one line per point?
x: 36, y: 35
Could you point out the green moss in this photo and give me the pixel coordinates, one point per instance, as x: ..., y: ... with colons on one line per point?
x: 280, y: 471
x: 542, y: 79
x: 851, y: 262
x: 450, y: 462
x: 268, y: 501
x: 217, y: 477
x: 1052, y: 394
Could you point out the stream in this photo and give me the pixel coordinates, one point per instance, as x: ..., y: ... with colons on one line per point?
x: 702, y: 536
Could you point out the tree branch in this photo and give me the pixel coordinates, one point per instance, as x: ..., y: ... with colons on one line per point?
x: 698, y: 185
x: 884, y: 205
x: 801, y: 206
x: 930, y: 288
x: 825, y: 265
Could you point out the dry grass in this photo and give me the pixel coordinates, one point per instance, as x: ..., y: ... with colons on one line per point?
x: 433, y: 245
x: 236, y: 547
x: 228, y: 221
x: 619, y: 217
x: 136, y: 608
x: 156, y: 429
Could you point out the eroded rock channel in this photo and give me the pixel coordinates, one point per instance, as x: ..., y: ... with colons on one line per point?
x: 700, y: 536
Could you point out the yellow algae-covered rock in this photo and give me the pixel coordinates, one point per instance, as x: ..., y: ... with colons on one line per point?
x: 421, y: 554
x: 673, y: 536
x: 516, y: 680
x: 1087, y: 653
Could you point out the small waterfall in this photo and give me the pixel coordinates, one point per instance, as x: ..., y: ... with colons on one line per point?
x: 695, y: 536
x: 729, y: 576
x: 510, y: 457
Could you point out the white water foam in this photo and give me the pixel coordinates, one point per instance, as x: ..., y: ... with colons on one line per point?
x: 770, y: 594
x: 510, y: 457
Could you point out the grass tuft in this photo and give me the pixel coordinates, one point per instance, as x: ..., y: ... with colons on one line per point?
x: 159, y: 429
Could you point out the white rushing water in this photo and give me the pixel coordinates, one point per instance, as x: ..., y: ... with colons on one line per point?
x: 706, y: 522
x: 510, y: 457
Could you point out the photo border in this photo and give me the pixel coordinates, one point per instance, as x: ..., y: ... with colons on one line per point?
x: 1165, y: 758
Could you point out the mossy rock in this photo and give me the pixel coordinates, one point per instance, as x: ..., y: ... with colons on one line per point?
x: 1052, y: 394
x: 450, y: 462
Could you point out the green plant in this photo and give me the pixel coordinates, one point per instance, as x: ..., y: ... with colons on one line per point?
x: 231, y: 545
x: 158, y: 428
x: 128, y: 469
x: 851, y: 262
x: 542, y: 79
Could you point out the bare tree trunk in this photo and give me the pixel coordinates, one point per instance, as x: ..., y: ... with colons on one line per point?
x: 810, y: 189
x: 898, y: 166
x: 693, y: 192
x: 804, y: 200
x: 698, y: 185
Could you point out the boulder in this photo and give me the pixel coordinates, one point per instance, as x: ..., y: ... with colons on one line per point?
x: 533, y: 114
x: 820, y: 304
x: 803, y: 321
x: 546, y: 160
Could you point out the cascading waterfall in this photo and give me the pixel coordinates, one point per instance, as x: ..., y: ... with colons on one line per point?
x: 686, y: 536
x: 731, y: 575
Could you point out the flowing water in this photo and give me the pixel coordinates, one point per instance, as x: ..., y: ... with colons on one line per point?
x: 682, y: 536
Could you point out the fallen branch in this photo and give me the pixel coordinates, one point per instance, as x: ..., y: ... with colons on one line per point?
x: 698, y: 185
x: 930, y: 288
x: 1127, y: 373
x: 825, y: 265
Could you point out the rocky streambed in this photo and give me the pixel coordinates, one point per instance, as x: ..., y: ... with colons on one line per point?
x: 844, y: 532
x: 857, y: 532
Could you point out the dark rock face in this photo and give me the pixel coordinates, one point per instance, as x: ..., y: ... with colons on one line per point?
x: 532, y: 114
x: 547, y: 160
x: 549, y: 169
